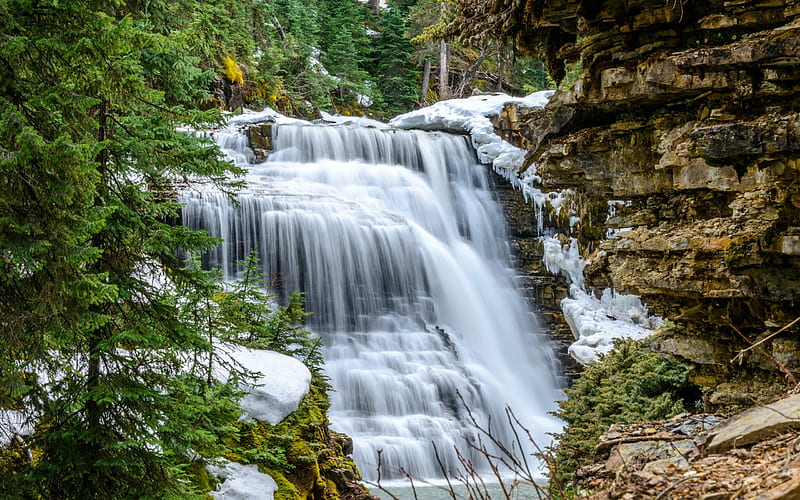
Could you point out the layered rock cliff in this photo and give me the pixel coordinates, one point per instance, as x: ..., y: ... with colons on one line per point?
x: 685, y: 119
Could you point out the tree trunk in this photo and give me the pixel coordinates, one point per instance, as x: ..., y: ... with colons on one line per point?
x: 444, y: 74
x: 500, y: 73
x: 471, y: 73
x: 374, y: 6
x: 278, y: 27
x: 426, y: 78
x: 93, y: 410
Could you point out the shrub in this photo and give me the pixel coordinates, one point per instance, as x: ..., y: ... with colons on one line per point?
x: 232, y: 71
x: 630, y: 384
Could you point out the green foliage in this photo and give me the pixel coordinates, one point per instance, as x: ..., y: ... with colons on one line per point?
x: 391, y: 66
x: 342, y: 38
x: 631, y: 384
x: 572, y: 73
x: 529, y: 75
x: 250, y: 315
x: 429, y: 19
x: 106, y: 334
x: 91, y: 107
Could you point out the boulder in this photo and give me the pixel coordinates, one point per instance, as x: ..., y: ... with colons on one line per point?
x: 755, y: 425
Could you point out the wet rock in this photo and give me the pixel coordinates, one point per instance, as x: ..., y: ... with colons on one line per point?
x: 260, y: 138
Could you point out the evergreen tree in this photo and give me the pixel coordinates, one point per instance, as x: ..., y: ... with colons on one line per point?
x: 391, y: 65
x: 344, y: 44
x: 92, y: 349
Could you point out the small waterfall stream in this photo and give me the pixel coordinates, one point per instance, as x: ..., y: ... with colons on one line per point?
x: 401, y: 250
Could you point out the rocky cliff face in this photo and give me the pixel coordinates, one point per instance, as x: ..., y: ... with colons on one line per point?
x: 685, y: 118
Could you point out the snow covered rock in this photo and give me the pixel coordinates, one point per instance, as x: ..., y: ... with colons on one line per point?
x: 472, y: 115
x: 281, y: 383
x: 265, y: 115
x: 242, y: 482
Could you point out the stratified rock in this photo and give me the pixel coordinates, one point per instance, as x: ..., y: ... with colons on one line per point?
x: 685, y: 121
x: 260, y: 138
x: 755, y: 425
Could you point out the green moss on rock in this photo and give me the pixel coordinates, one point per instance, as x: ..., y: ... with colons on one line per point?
x: 303, y: 456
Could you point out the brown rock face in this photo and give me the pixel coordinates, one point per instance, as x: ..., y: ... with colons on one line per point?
x: 688, y: 113
x: 542, y: 289
x: 260, y: 138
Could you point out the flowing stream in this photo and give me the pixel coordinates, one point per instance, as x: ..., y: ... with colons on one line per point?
x: 401, y: 250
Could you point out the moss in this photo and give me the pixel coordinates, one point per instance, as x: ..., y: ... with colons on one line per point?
x: 286, y: 490
x: 201, y: 478
x: 299, y: 451
x: 740, y: 250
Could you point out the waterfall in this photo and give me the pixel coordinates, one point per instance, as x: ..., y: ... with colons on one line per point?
x: 401, y: 250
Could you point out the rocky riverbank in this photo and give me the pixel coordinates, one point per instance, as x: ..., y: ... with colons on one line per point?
x: 754, y: 455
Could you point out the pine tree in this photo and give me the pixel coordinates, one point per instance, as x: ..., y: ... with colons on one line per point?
x: 344, y: 44
x: 391, y: 65
x: 98, y: 354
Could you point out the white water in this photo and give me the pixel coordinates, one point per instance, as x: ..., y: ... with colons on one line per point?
x: 401, y: 250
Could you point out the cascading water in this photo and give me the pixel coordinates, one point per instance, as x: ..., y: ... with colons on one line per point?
x: 400, y: 248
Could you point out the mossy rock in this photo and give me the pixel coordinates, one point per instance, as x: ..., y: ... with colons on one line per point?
x: 301, y: 453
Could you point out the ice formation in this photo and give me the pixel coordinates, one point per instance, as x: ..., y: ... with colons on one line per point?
x: 597, y: 322
x: 594, y: 322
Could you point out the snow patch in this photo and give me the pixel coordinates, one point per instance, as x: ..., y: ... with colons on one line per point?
x: 13, y: 423
x: 381, y: 3
x: 266, y: 115
x: 361, y: 121
x: 242, y: 482
x: 316, y: 65
x: 281, y: 382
